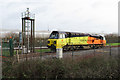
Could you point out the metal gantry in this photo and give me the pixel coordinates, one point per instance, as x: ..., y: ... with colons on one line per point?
x: 28, y: 31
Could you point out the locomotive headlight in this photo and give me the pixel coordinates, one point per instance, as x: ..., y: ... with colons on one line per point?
x: 48, y: 42
x: 54, y: 42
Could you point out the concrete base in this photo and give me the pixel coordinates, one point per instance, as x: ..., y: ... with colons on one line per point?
x: 28, y: 51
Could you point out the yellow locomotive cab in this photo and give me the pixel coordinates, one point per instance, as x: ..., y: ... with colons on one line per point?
x: 57, y: 40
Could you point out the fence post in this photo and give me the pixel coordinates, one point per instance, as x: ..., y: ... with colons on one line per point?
x: 1, y: 46
x: 110, y: 49
x: 72, y: 51
x: 11, y: 46
x: 1, y: 59
x: 17, y: 55
x: 94, y: 48
x: 59, y: 52
x: 41, y: 48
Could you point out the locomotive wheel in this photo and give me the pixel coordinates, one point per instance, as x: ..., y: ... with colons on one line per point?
x: 53, y: 48
x: 81, y: 47
x: 92, y: 47
x: 65, y: 49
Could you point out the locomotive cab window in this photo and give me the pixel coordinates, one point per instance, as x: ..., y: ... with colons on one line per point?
x: 54, y: 36
x: 103, y: 38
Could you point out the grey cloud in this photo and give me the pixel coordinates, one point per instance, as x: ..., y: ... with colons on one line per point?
x: 76, y: 16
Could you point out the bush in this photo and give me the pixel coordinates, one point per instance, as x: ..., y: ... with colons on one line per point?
x: 95, y: 67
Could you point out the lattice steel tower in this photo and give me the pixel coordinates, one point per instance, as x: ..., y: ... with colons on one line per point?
x: 28, y: 31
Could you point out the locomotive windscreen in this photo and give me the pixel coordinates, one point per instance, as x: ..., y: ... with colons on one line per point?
x: 54, y: 35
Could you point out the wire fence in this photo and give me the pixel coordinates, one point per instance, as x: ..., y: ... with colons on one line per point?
x: 41, y: 51
x: 87, y: 52
x: 5, y: 49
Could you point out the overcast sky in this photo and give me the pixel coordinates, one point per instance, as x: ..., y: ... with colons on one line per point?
x: 68, y: 15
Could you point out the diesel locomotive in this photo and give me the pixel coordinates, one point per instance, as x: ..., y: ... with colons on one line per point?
x: 73, y: 40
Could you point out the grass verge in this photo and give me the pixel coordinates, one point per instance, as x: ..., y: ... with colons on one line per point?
x: 113, y: 44
x: 42, y: 50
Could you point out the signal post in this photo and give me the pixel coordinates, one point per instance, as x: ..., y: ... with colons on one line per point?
x: 28, y: 31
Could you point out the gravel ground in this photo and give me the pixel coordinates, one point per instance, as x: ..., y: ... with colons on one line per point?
x: 109, y: 51
x: 113, y: 51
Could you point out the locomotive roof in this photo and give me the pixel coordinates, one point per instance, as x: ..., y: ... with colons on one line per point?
x: 70, y: 32
x: 76, y: 33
